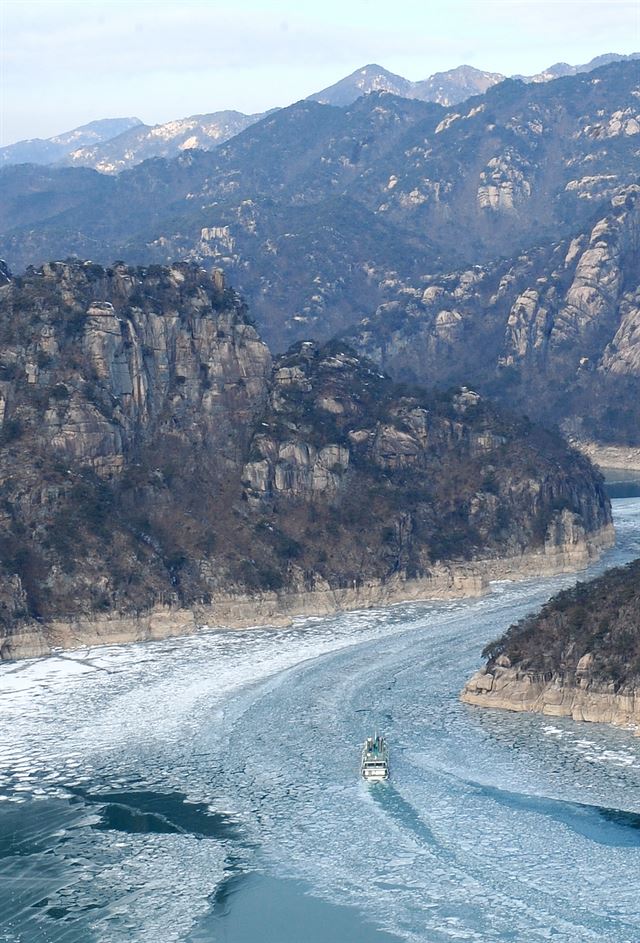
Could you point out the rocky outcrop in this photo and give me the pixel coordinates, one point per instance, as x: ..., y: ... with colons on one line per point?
x: 127, y: 399
x: 506, y: 688
x: 559, y: 329
x: 578, y: 657
x: 589, y: 309
x: 154, y: 462
x: 503, y: 183
x: 149, y: 348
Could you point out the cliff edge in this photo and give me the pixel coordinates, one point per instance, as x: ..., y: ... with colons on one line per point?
x: 159, y: 470
x: 578, y: 657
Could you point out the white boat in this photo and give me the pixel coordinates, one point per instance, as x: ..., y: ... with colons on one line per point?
x: 374, y: 765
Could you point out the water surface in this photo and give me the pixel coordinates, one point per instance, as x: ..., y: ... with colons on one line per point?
x: 206, y: 789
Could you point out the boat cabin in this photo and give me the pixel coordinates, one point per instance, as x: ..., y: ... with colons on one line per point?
x: 374, y: 763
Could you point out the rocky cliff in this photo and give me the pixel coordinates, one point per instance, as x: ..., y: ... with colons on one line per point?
x: 559, y: 328
x: 156, y: 463
x: 578, y: 657
x: 123, y: 395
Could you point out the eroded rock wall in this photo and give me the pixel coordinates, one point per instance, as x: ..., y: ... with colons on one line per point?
x: 578, y: 697
x: 153, y: 459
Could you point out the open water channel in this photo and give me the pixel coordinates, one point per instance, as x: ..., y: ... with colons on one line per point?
x: 206, y: 789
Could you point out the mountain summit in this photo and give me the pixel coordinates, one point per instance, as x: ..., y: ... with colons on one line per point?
x: 370, y: 78
x: 446, y: 88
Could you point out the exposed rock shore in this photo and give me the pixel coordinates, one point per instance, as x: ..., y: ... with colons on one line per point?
x: 578, y: 657
x: 610, y: 456
x: 447, y: 581
x: 577, y: 696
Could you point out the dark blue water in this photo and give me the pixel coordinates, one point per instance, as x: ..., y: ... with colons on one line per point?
x: 622, y: 483
x: 207, y: 789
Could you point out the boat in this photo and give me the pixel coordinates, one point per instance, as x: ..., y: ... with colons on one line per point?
x: 374, y: 765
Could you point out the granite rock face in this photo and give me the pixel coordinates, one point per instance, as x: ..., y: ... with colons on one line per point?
x: 133, y: 354
x: 154, y: 459
x: 556, y: 332
x: 581, y: 699
x: 125, y: 394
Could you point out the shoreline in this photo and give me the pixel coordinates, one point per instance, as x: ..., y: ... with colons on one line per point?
x: 446, y: 581
x: 579, y: 697
x: 624, y: 457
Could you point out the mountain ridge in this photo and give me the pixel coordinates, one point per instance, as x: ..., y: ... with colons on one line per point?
x: 137, y: 144
x: 113, y: 152
x: 50, y: 150
x: 503, y: 225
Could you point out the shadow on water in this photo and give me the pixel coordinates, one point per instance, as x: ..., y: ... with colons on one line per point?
x: 621, y: 483
x: 160, y: 813
x: 255, y: 906
x: 392, y: 804
x: 40, y: 863
x: 613, y: 827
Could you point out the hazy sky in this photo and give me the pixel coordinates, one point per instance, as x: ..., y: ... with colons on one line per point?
x: 66, y: 62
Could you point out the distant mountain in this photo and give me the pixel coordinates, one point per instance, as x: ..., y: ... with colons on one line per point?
x: 562, y: 69
x: 456, y: 85
x: 51, y: 150
x: 370, y: 78
x: 469, y: 239
x: 446, y: 88
x: 161, y: 140
x: 113, y: 145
